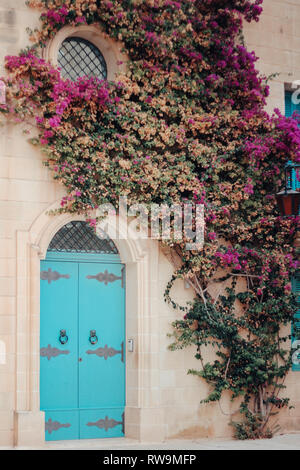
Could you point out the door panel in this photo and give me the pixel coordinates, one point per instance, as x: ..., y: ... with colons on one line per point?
x: 61, y: 425
x: 102, y: 423
x: 101, y: 308
x: 59, y: 362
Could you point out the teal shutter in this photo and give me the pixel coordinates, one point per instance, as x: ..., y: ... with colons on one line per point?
x: 295, y: 180
x: 290, y: 108
x: 296, y: 327
x: 288, y: 104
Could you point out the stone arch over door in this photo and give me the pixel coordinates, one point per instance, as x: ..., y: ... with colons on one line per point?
x: 143, y: 416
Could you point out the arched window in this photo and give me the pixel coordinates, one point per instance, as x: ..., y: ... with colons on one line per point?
x: 78, y: 57
x: 79, y: 237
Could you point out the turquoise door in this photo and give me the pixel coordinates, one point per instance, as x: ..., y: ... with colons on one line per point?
x: 82, y: 364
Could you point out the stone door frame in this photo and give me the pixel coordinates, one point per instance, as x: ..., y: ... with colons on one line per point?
x: 144, y: 419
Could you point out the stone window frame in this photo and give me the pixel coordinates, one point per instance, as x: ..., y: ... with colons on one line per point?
x: 110, y: 49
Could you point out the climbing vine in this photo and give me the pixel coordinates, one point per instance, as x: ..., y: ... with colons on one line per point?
x: 185, y: 122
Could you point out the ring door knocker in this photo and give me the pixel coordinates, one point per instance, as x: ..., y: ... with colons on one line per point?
x: 93, y: 339
x: 63, y: 338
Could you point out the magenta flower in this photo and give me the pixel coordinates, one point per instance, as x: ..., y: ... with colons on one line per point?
x: 212, y: 235
x: 55, y: 121
x: 80, y: 19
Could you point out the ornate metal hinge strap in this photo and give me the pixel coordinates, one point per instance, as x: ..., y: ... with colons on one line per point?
x: 52, y: 352
x: 108, y: 423
x: 53, y: 276
x: 51, y: 426
x: 107, y: 352
x: 107, y: 277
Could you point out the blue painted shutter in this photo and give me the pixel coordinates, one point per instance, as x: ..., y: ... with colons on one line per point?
x: 290, y: 108
x: 295, y: 180
x: 288, y: 104
x: 296, y: 338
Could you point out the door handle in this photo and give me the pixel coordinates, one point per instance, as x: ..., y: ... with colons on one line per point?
x: 63, y: 338
x: 93, y: 339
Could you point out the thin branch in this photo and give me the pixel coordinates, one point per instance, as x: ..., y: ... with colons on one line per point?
x: 227, y: 366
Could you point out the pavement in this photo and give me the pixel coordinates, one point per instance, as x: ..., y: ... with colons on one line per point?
x: 278, y: 442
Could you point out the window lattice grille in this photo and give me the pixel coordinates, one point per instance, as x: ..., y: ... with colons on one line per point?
x: 78, y: 57
x: 78, y: 236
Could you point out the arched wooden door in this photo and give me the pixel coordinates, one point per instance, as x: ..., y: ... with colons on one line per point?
x: 82, y: 339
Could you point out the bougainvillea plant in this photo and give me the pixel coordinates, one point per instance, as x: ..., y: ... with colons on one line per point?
x: 185, y: 122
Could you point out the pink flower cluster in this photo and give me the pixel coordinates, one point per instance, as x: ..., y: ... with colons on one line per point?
x: 57, y: 16
x: 229, y: 258
x: 171, y: 3
x: 191, y: 54
x: 151, y: 37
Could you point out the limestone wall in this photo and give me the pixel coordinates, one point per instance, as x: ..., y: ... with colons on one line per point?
x: 170, y: 398
x: 26, y: 190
